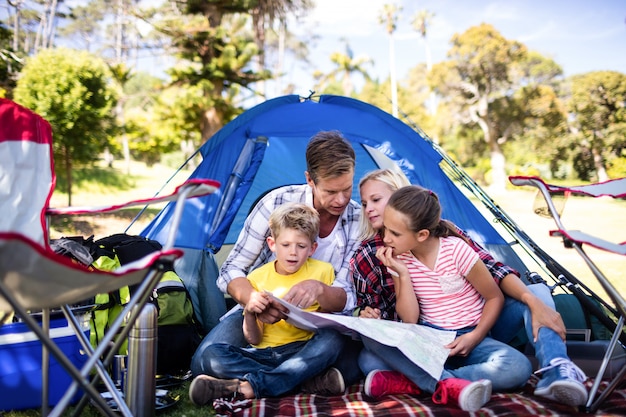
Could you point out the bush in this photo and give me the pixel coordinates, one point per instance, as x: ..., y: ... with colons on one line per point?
x: 617, y: 168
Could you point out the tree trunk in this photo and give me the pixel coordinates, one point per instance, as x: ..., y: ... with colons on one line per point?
x: 213, y: 121
x: 498, y: 161
x: 498, y: 171
x: 599, y: 165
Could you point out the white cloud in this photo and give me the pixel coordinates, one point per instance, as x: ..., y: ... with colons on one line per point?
x: 347, y: 18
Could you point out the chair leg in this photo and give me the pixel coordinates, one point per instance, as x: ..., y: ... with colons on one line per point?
x: 593, y: 403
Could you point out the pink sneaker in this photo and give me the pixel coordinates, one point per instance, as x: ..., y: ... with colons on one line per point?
x: 468, y: 395
x: 379, y: 383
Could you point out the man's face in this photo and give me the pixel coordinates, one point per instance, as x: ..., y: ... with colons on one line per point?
x: 332, y: 195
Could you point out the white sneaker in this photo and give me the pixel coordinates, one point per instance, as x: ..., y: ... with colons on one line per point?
x: 562, y: 381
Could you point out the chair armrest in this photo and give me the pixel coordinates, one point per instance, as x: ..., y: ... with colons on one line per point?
x: 194, y: 188
x: 613, y: 188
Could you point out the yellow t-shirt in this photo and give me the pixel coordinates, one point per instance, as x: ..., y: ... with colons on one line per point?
x: 265, y: 278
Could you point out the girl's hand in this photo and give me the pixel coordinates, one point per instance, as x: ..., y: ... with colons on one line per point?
x: 395, y: 267
x: 464, y: 344
x: 370, y: 313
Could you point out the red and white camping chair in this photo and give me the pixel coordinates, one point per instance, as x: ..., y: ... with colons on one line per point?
x: 35, y: 278
x: 577, y: 239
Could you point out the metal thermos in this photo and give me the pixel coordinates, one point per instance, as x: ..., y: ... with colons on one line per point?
x: 140, y: 390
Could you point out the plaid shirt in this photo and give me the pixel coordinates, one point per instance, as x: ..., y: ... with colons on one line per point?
x: 374, y: 285
x: 251, y: 250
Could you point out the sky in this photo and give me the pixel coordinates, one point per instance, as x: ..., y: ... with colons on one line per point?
x: 581, y: 36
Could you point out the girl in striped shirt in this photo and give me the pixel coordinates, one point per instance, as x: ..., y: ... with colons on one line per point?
x: 440, y: 282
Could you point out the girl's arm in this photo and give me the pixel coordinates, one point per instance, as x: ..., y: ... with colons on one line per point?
x: 407, y: 305
x: 481, y: 279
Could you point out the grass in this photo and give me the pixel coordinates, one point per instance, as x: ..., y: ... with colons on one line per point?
x: 601, y: 217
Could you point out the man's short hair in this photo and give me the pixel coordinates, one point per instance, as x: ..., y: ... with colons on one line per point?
x: 295, y: 216
x: 329, y: 155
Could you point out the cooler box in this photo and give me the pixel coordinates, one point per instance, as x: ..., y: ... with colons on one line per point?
x: 20, y: 364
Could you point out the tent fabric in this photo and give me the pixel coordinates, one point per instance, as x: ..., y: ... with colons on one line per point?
x: 264, y: 148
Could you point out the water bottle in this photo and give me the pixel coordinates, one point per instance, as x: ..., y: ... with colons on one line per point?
x: 140, y: 390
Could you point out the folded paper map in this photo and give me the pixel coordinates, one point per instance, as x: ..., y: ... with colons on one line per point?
x: 423, y: 345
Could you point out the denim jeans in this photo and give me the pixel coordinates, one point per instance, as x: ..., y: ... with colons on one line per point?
x: 271, y: 372
x: 503, y: 365
x: 516, y: 315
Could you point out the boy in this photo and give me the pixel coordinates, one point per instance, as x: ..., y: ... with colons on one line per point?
x: 264, y: 368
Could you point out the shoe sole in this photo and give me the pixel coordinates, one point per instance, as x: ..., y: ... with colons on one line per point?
x: 475, y: 395
x: 368, y: 383
x: 342, y: 383
x: 191, y: 388
x: 565, y: 392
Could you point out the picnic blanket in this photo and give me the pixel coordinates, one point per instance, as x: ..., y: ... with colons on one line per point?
x: 355, y: 403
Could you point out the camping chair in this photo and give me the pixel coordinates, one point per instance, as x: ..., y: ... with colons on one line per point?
x: 35, y: 278
x: 576, y: 239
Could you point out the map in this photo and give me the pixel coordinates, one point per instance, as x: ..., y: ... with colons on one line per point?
x: 423, y: 345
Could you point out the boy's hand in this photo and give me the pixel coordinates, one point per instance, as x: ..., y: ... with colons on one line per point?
x: 257, y: 303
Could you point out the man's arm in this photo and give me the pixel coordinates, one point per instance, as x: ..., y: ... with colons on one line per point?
x: 249, y: 250
x: 541, y: 314
x: 511, y: 285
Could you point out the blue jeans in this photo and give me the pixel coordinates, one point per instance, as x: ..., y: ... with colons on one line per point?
x: 224, y: 353
x: 503, y: 365
x: 516, y: 315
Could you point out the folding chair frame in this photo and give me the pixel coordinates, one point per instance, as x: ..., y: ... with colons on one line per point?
x: 118, y: 331
x: 576, y: 240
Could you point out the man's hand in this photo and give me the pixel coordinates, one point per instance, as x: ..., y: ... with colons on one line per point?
x: 305, y: 293
x: 544, y: 316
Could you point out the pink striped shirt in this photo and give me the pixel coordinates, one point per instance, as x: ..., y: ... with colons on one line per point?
x: 446, y: 298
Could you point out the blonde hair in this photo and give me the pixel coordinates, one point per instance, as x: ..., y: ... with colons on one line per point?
x: 296, y: 216
x: 394, y: 179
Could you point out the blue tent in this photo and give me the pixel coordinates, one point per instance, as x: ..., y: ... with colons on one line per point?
x: 264, y: 148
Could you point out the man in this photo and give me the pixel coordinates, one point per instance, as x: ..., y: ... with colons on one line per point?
x: 329, y: 179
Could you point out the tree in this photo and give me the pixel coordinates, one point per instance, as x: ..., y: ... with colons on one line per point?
x: 346, y: 65
x: 598, y: 109
x: 476, y: 76
x: 420, y: 23
x: 389, y: 18
x: 264, y: 15
x: 70, y: 89
x: 216, y: 51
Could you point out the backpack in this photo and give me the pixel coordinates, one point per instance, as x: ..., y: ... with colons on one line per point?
x: 179, y: 333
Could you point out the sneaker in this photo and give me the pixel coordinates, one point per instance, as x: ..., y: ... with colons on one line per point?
x: 204, y: 389
x: 379, y: 383
x: 467, y: 395
x: 562, y: 381
x: 327, y: 383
